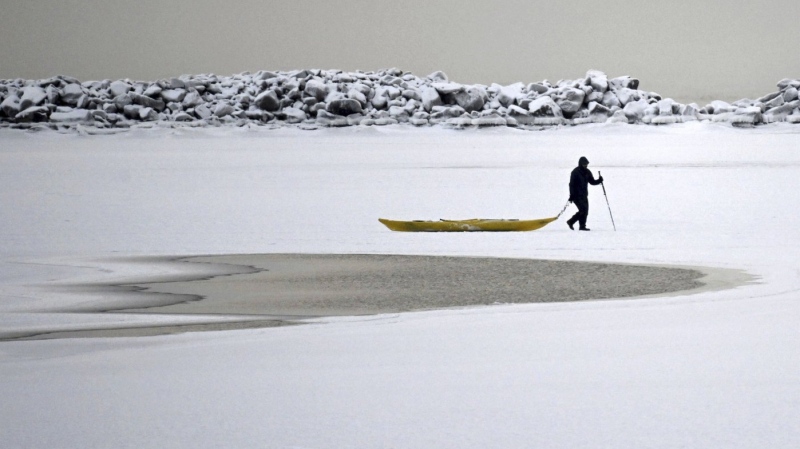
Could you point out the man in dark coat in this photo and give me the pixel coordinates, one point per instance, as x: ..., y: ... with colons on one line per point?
x: 579, y: 182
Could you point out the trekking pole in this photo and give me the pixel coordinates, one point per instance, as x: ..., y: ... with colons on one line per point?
x: 609, y: 206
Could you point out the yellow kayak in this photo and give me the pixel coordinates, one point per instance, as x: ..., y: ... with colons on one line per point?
x: 473, y: 224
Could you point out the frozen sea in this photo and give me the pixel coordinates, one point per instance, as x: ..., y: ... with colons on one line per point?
x: 711, y: 369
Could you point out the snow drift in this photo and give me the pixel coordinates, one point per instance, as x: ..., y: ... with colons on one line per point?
x: 333, y: 98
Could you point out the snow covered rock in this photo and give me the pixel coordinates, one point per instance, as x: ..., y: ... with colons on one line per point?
x: 471, y: 99
x: 344, y: 107
x: 491, y: 119
x: 790, y: 94
x: 118, y: 88
x: 10, y: 107
x: 222, y: 109
x: 31, y: 96
x: 430, y: 98
x: 173, y: 95
x: 148, y: 114
x: 33, y: 114
x: 437, y: 76
x: 325, y: 118
x: 203, y: 112
x: 786, y: 83
x: 598, y: 80
x: 611, y: 100
x: 294, y: 115
x: 447, y: 88
x: 74, y: 116
x: 570, y: 101
x: 545, y: 106
x: 268, y: 101
x: 71, y: 93
x: 192, y: 99
x: 624, y: 82
x: 317, y: 89
x: 153, y: 90
x: 147, y: 102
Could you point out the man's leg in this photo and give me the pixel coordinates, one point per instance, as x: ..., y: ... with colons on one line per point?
x: 583, y: 211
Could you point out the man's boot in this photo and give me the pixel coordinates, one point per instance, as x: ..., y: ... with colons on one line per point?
x: 571, y: 223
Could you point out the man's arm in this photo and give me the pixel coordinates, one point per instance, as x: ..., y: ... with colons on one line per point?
x: 593, y: 181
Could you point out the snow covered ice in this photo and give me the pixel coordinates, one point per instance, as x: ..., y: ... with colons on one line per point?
x: 711, y: 369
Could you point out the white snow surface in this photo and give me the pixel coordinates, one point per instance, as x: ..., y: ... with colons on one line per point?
x: 709, y: 370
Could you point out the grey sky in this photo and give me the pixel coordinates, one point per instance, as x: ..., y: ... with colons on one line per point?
x: 690, y: 50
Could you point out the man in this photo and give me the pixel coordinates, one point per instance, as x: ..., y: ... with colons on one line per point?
x: 579, y: 182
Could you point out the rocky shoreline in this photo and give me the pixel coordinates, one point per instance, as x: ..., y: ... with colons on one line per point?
x: 312, y: 99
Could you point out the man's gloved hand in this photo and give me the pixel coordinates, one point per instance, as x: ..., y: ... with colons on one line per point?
x: 570, y: 199
x: 600, y: 179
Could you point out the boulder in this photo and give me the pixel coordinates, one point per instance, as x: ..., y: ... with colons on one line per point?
x: 182, y: 117
x: 380, y: 102
x: 203, y: 111
x: 595, y: 108
x: 430, y: 97
x: 544, y: 107
x: 358, y: 96
x: 147, y: 102
x: 192, y: 99
x: 31, y: 96
x: 625, y: 95
x: 294, y: 115
x: 268, y: 101
x: 122, y: 100
x: 611, y: 100
x: 131, y: 111
x: 74, y: 116
x: 411, y: 94
x: 173, y: 95
x: 437, y: 76
x: 33, y: 114
x: 317, y: 89
x: 775, y: 102
x: 344, y: 107
x: 471, y: 99
x: 508, y: 95
x: 148, y: 114
x: 570, y: 100
x: 419, y: 119
x: 71, y: 93
x: 447, y: 88
x: 623, y: 82
x: 398, y: 113
x: 325, y: 118
x: 222, y: 109
x: 153, y: 91
x: 538, y: 88
x: 118, y: 88
x: 786, y: 82
x: 263, y: 75
x: 665, y: 107
x: 720, y: 107
x: 598, y: 80
x: 491, y: 119
x: 10, y: 106
x: 790, y: 94
x: 52, y: 94
x: 176, y: 83
x: 635, y: 110
x: 769, y: 97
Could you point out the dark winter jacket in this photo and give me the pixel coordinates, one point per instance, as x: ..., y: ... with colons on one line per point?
x: 579, y: 180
